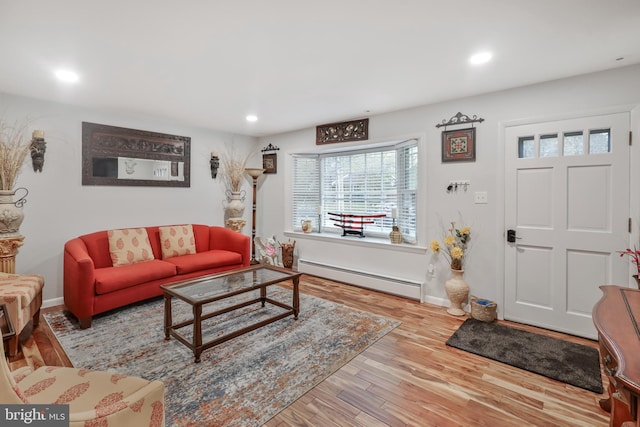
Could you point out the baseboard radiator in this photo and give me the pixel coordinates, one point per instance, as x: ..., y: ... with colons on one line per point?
x: 391, y: 285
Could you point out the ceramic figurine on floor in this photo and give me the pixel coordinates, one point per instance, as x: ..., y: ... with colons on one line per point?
x: 268, y: 251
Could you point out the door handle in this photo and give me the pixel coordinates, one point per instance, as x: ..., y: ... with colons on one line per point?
x: 511, y: 236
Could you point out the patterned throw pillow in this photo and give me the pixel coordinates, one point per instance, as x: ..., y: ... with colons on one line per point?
x: 129, y: 245
x: 177, y: 240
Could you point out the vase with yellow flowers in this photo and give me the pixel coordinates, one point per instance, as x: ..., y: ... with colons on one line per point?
x: 13, y: 151
x: 455, y: 247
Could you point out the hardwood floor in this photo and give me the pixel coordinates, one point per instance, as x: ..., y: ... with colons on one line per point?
x: 409, y: 377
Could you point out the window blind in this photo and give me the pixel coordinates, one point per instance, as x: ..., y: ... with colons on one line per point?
x: 306, y: 189
x: 365, y: 181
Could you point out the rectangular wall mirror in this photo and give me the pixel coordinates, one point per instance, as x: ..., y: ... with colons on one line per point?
x: 120, y: 156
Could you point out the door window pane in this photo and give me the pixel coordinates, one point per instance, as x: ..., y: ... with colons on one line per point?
x: 573, y: 144
x: 600, y: 141
x: 526, y: 147
x: 549, y: 145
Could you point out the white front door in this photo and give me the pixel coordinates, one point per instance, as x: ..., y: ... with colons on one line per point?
x: 567, y: 200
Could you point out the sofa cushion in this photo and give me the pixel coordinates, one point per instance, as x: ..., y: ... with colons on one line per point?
x: 129, y: 246
x: 204, y: 260
x: 111, y: 279
x: 177, y: 240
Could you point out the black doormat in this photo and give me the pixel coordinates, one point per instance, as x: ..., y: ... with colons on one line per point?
x: 571, y: 363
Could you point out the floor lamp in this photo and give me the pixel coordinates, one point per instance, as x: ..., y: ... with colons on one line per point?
x: 254, y: 173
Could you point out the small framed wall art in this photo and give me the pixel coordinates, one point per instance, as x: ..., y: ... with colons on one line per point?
x: 459, y: 145
x: 270, y: 159
x: 270, y: 163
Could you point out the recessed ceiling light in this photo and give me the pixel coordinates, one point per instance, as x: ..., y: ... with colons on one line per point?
x: 252, y: 118
x: 480, y: 58
x: 67, y: 76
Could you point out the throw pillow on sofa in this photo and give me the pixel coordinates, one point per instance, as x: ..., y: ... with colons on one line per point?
x: 129, y: 246
x: 177, y: 240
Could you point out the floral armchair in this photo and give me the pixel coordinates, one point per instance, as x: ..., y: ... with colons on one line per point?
x: 95, y: 398
x: 22, y: 294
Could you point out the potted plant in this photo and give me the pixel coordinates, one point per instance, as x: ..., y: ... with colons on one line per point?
x: 634, y: 257
x: 14, y: 148
x: 233, y: 167
x: 456, y: 242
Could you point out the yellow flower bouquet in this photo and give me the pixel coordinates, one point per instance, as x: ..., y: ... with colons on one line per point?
x: 455, y: 245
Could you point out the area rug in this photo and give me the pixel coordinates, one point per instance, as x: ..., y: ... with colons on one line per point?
x: 571, y: 363
x: 242, y: 382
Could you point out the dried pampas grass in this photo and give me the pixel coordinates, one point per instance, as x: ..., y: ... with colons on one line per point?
x: 233, y: 165
x: 14, y: 148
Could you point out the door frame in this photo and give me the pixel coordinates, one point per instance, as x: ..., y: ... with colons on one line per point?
x: 634, y: 187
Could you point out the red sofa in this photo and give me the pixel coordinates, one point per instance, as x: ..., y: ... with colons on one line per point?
x: 92, y: 285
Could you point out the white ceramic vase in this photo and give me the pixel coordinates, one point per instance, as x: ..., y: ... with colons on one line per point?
x: 11, y: 214
x: 457, y: 292
x: 234, y: 207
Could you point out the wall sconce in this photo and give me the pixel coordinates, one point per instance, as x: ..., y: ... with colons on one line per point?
x: 215, y: 164
x: 38, y: 147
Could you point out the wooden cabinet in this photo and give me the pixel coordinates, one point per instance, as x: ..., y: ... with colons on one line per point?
x: 616, y: 317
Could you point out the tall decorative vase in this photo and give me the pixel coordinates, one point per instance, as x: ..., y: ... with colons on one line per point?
x: 11, y: 215
x: 457, y: 292
x: 235, y: 204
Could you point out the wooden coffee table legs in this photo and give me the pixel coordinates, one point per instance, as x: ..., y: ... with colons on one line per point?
x: 197, y: 332
x: 168, y: 320
x: 296, y: 297
x: 196, y: 344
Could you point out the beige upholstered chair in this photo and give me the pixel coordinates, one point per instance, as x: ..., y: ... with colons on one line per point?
x: 22, y: 294
x: 95, y: 398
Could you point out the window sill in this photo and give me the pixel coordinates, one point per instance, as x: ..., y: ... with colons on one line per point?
x: 370, y: 242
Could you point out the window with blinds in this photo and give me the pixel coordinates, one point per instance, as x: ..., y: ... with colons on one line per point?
x: 381, y: 180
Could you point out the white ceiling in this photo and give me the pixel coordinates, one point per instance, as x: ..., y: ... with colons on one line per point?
x: 300, y: 63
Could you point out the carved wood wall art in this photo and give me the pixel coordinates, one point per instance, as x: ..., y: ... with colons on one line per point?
x: 355, y: 130
x: 120, y: 156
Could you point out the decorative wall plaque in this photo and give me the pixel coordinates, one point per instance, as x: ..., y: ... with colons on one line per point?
x: 355, y: 130
x: 120, y: 156
x: 460, y: 119
x: 459, y: 145
x: 270, y: 159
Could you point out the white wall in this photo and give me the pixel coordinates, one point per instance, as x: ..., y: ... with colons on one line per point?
x: 59, y: 207
x: 618, y: 89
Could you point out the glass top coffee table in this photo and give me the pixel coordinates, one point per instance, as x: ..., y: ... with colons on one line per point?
x: 209, y: 289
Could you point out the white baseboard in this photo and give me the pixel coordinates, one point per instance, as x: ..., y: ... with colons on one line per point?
x: 391, y: 285
x: 52, y: 302
x: 442, y: 302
